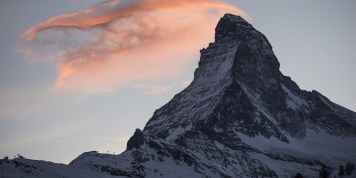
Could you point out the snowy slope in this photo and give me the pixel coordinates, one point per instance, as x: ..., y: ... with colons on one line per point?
x: 20, y: 168
x: 240, y: 117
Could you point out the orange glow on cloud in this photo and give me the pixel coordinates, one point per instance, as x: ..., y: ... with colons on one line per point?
x: 124, y: 42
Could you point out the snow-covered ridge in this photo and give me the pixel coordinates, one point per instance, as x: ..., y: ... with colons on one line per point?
x: 199, y: 99
x: 293, y: 101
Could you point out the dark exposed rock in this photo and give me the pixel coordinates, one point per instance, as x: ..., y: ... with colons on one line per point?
x: 136, y: 140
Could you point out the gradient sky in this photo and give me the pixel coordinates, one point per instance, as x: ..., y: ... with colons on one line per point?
x: 48, y: 114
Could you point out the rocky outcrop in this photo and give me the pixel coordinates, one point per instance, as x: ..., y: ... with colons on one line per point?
x: 136, y: 140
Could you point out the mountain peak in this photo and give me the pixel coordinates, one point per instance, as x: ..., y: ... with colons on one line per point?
x: 232, y: 26
x: 238, y: 86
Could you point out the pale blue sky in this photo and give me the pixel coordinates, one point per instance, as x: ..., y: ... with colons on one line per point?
x: 315, y: 42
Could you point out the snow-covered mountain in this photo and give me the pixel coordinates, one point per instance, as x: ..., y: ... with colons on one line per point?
x: 240, y: 117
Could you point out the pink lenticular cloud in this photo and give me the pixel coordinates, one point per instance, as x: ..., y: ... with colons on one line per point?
x: 122, y: 42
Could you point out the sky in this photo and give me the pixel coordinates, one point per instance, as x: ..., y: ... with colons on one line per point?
x: 82, y: 75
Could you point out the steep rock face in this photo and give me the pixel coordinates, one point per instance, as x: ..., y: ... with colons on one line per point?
x: 239, y: 81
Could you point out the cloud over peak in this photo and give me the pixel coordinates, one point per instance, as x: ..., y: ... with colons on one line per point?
x: 123, y: 42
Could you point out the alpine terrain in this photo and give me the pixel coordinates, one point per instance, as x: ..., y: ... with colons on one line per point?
x: 240, y: 117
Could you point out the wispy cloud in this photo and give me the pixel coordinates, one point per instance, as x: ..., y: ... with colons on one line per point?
x: 153, y: 89
x: 121, y: 42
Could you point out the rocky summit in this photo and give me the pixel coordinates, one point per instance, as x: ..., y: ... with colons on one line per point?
x: 240, y: 117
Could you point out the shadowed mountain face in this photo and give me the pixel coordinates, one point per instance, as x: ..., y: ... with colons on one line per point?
x: 240, y: 117
x: 238, y: 86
